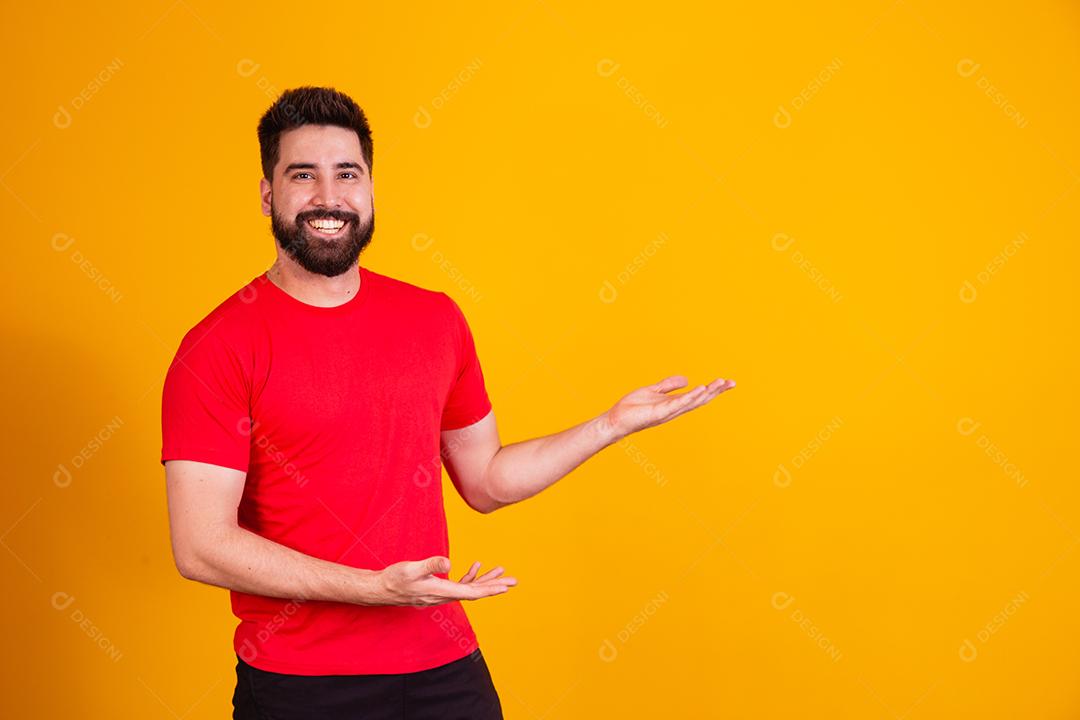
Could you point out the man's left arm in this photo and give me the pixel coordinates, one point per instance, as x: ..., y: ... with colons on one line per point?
x: 489, y: 476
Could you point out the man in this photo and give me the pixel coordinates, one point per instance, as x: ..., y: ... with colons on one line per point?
x: 305, y: 423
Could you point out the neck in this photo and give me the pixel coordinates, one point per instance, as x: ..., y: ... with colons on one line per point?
x: 312, y: 288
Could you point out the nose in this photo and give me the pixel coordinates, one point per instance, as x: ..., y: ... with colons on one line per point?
x: 325, y: 194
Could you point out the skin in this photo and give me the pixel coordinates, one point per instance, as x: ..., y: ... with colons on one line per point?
x: 489, y: 475
x: 323, y: 187
x: 210, y: 547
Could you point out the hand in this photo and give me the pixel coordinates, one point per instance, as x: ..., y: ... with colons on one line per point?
x: 651, y: 405
x: 414, y: 582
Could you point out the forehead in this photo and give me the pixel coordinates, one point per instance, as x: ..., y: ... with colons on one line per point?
x: 319, y: 144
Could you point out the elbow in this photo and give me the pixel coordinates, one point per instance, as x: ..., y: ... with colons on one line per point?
x: 490, y: 499
x: 487, y: 507
x: 195, y: 551
x: 188, y: 563
x: 484, y: 504
x: 188, y: 567
x: 487, y: 502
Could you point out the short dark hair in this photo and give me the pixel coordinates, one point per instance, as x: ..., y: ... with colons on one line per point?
x: 309, y: 105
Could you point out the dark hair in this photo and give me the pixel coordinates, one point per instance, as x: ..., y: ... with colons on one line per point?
x: 310, y: 105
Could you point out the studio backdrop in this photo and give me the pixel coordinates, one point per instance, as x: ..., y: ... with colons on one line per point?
x: 863, y: 212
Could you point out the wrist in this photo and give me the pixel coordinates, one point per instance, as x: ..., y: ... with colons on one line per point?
x: 606, y: 430
x: 370, y: 587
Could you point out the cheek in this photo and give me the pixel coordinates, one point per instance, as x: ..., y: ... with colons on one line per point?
x: 286, y: 207
x: 361, y: 201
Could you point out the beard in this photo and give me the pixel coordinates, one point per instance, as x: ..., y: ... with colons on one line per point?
x: 330, y: 256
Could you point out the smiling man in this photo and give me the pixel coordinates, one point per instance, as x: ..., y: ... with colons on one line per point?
x: 305, y: 423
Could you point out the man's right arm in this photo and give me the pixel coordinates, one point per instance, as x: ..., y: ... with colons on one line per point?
x: 210, y: 547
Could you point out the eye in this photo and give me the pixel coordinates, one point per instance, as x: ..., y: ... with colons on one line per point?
x: 296, y: 175
x: 349, y: 173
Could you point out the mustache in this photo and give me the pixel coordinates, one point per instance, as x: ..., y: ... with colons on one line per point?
x: 326, y: 215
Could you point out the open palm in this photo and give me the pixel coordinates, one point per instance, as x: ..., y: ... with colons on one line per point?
x: 651, y: 405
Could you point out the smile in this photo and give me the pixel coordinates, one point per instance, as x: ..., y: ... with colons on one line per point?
x: 326, y: 227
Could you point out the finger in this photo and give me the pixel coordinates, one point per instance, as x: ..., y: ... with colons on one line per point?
x: 668, y: 384
x: 679, y: 404
x: 713, y: 389
x: 469, y: 576
x: 718, y: 386
x: 682, y: 399
x: 451, y: 590
x: 493, y: 573
x: 495, y: 582
x: 493, y: 587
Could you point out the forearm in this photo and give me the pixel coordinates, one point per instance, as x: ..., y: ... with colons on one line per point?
x: 521, y: 470
x: 238, y: 559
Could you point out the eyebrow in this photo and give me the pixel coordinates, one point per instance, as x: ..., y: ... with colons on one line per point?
x: 312, y: 166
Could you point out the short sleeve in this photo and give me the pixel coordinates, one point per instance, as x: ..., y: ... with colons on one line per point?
x: 468, y: 401
x: 205, y: 406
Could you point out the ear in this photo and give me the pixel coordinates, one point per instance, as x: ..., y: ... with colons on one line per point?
x: 265, y: 193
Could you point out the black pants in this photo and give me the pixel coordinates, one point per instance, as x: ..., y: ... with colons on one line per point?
x: 461, y: 690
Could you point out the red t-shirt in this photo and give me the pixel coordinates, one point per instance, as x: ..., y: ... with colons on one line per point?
x: 335, y: 414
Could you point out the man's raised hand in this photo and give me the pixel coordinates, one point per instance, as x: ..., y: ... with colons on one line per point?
x: 651, y: 405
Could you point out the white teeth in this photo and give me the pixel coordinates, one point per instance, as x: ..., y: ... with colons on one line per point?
x: 326, y: 224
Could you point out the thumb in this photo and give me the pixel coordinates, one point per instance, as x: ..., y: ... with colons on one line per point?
x: 437, y: 564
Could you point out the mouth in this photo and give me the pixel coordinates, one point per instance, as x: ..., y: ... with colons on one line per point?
x: 327, y: 227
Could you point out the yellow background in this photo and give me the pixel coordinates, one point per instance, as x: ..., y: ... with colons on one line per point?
x: 865, y: 213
